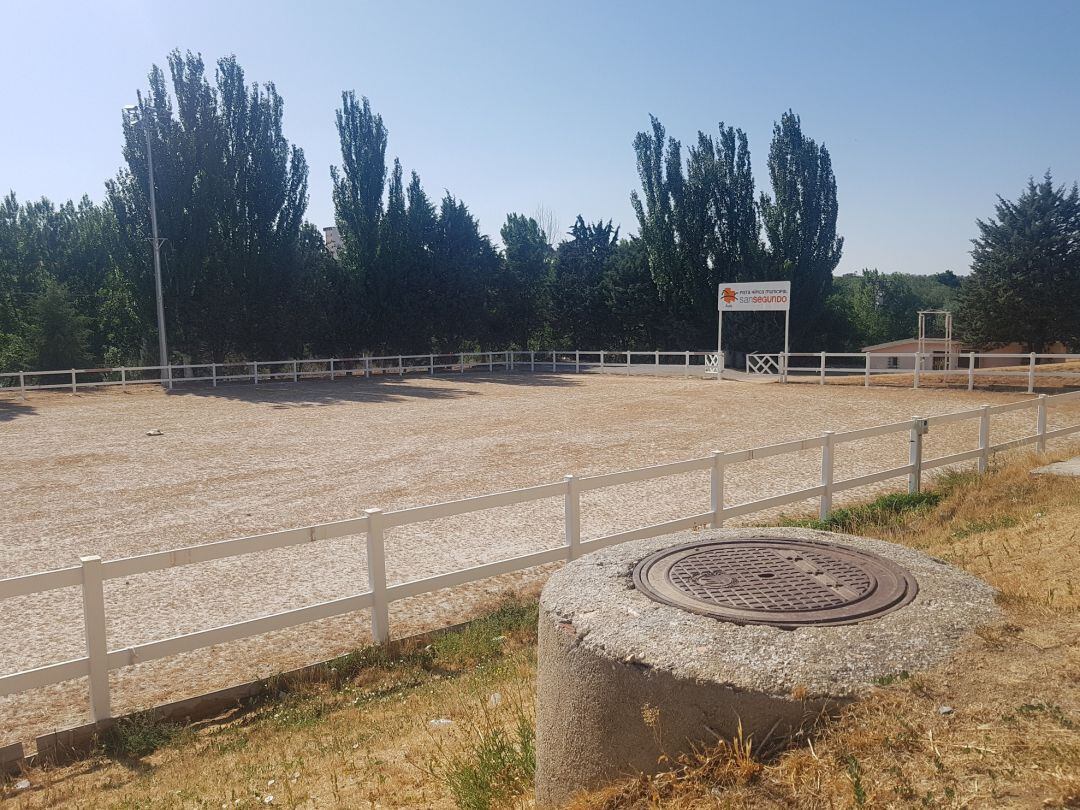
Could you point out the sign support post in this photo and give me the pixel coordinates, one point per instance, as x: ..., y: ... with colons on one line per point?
x: 759, y: 296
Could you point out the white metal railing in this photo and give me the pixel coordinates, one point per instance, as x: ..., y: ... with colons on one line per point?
x: 963, y: 367
x: 92, y: 572
x: 702, y: 363
x: 261, y: 371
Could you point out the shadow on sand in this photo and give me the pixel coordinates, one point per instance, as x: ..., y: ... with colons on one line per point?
x: 389, y: 388
x: 13, y: 408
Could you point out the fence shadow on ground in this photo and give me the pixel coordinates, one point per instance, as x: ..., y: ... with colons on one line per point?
x: 390, y: 388
x: 10, y: 409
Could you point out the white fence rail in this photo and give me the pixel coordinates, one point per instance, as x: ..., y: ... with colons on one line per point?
x: 261, y: 371
x: 92, y: 572
x: 794, y: 364
x: 963, y: 367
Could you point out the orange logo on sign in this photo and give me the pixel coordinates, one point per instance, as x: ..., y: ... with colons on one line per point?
x: 728, y: 295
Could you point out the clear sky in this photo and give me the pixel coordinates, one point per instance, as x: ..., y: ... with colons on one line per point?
x: 929, y: 109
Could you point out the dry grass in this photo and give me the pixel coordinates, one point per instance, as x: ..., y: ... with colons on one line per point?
x: 384, y: 732
x: 999, y: 726
x: 1011, y: 738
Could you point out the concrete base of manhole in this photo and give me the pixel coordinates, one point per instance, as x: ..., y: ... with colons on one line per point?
x: 1069, y: 468
x: 625, y: 678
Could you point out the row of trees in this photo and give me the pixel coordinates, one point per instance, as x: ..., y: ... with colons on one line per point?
x: 245, y: 275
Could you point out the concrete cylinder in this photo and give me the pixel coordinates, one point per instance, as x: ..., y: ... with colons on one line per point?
x: 625, y: 679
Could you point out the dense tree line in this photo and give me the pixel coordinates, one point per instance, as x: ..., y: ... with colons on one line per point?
x: 245, y: 275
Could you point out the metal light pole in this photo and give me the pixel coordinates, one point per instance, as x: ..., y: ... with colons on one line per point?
x: 140, y: 113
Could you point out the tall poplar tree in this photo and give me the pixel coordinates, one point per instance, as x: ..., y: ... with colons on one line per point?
x: 231, y: 195
x: 800, y: 223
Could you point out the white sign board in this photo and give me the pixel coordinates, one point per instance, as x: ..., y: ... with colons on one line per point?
x: 755, y: 295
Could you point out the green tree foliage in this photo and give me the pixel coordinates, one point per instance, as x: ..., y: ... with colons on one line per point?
x: 874, y: 307
x: 700, y: 226
x: 358, y: 204
x: 800, y: 223
x: 523, y: 294
x: 578, y: 304
x: 1026, y: 271
x: 630, y: 298
x: 231, y: 196
x: 59, y: 333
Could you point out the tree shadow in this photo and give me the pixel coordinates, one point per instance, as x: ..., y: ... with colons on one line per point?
x: 12, y: 409
x: 281, y: 394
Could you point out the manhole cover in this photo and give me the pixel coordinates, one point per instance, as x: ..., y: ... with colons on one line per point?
x: 784, y: 583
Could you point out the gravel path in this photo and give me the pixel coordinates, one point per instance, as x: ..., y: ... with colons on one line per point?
x: 82, y: 477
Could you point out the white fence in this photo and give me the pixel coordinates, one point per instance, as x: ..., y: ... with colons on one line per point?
x: 92, y: 572
x: 965, y: 366
x: 257, y: 371
x: 696, y: 363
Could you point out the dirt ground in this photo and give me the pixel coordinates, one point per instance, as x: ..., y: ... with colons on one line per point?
x: 82, y: 477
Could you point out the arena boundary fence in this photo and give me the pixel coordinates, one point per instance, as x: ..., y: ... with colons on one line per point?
x: 92, y: 572
x: 821, y: 365
x: 848, y: 364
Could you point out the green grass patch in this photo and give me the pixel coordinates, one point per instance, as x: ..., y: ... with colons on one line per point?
x: 139, y: 735
x: 494, y: 766
x: 885, y: 512
x: 980, y: 526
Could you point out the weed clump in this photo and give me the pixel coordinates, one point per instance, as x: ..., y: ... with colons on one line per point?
x: 888, y: 511
x: 139, y: 735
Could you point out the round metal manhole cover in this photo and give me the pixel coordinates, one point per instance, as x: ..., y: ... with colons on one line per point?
x: 775, y: 581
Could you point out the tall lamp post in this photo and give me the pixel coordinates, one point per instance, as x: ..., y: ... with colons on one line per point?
x: 138, y: 114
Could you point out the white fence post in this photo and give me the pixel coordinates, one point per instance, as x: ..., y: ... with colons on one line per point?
x: 918, y: 362
x: 866, y: 374
x: 688, y: 364
x: 984, y: 439
x: 1040, y: 424
x: 491, y: 362
x: 331, y: 368
x: 255, y: 372
x: 294, y: 371
x: 376, y: 574
x: 400, y: 366
x: 74, y: 385
x: 554, y: 361
x: 431, y: 363
x: 628, y: 363
x: 822, y: 382
x: 657, y: 359
x: 716, y: 489
x: 601, y: 361
x: 213, y: 375
x: 123, y: 378
x: 532, y: 361
x: 97, y: 648
x: 22, y: 385
x: 572, y: 518
x: 1031, y: 374
x: 577, y: 361
x: 971, y: 371
x: 915, y: 454
x: 825, y: 504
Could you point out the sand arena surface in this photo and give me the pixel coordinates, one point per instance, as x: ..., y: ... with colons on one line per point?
x: 82, y: 477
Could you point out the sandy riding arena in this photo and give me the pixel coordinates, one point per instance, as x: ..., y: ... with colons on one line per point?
x: 81, y: 476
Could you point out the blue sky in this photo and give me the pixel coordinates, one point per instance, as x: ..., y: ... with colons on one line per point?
x: 928, y: 109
